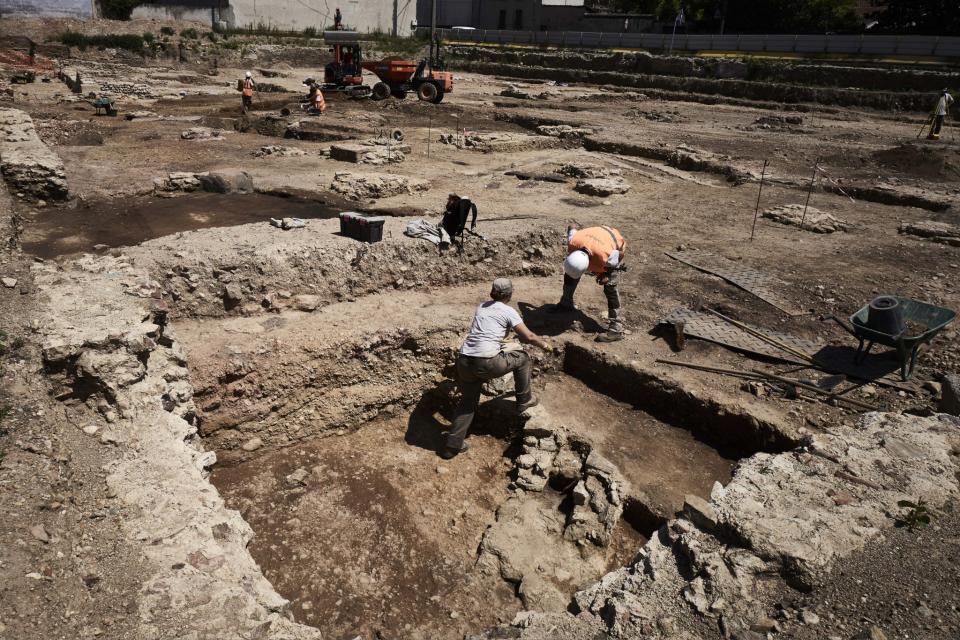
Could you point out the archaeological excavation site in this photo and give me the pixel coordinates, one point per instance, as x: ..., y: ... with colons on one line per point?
x: 248, y: 284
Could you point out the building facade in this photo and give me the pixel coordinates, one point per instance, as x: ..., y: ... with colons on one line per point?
x: 385, y: 16
x: 82, y: 9
x: 528, y: 15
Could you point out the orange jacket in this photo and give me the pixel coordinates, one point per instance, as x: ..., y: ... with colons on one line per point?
x: 599, y: 243
x: 247, y: 87
x: 319, y: 102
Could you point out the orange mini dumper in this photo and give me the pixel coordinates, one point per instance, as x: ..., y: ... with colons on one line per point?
x: 429, y: 78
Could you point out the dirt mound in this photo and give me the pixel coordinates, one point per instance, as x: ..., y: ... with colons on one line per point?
x: 922, y: 161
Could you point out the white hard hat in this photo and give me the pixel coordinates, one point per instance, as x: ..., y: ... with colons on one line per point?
x: 249, y: 75
x: 576, y: 264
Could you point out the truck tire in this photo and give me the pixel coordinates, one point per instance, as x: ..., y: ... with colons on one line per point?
x: 381, y: 91
x: 427, y: 92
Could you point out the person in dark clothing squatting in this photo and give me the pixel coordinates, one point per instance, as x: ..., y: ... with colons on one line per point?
x: 482, y: 357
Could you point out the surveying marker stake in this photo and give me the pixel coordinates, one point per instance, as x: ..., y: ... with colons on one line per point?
x: 756, y: 213
x: 813, y: 178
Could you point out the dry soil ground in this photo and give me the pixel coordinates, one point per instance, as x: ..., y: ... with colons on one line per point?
x: 379, y: 538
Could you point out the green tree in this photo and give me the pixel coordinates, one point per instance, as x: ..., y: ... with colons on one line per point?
x: 933, y: 17
x: 790, y: 16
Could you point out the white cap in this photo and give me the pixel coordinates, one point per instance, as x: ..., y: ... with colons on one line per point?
x: 249, y: 75
x: 576, y: 264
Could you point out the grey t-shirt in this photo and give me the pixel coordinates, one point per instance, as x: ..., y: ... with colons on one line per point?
x: 491, y: 323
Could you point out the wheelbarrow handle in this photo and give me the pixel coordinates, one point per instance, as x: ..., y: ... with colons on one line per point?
x: 845, y: 325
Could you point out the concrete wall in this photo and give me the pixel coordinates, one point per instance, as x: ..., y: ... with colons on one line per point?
x: 82, y: 9
x: 388, y: 16
x: 174, y: 12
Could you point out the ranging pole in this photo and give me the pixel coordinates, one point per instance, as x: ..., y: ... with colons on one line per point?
x: 756, y: 213
x: 813, y: 178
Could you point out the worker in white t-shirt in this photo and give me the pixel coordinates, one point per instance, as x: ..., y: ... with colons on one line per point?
x: 943, y: 105
x: 482, y: 358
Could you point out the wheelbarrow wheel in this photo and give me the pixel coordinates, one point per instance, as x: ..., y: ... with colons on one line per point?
x: 427, y: 92
x: 381, y: 91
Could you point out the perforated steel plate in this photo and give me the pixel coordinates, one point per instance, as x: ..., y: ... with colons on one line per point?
x: 760, y: 284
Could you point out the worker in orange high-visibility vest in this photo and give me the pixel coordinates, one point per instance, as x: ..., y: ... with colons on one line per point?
x: 598, y: 250
x: 248, y: 86
x: 318, y: 102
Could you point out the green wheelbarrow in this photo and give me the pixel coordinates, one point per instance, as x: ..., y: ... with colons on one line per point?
x: 901, y: 323
x: 106, y: 104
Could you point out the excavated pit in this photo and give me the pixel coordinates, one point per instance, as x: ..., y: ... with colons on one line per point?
x: 128, y: 221
x: 367, y: 531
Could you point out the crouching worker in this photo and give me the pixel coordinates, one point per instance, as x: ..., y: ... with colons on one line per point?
x: 598, y: 250
x: 482, y: 358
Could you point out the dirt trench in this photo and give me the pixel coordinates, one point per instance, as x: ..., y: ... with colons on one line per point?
x: 332, y: 460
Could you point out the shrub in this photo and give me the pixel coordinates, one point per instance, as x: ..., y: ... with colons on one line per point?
x: 130, y: 41
x: 190, y: 34
x: 167, y: 31
x: 148, y: 37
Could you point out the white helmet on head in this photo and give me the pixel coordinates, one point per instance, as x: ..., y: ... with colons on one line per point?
x: 576, y: 264
x: 249, y: 75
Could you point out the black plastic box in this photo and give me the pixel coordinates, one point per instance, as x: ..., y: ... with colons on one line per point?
x: 361, y: 227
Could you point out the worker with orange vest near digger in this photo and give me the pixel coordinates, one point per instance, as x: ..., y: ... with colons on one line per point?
x: 317, y: 103
x: 598, y: 250
x: 248, y: 86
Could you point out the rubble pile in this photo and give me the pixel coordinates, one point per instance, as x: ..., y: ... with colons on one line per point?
x: 201, y: 133
x: 127, y: 89
x: 602, y: 186
x: 280, y: 151
x: 221, y: 181
x: 655, y: 116
x: 813, y: 220
x: 941, y: 232
x: 500, y: 142
x: 29, y: 167
x: 141, y: 114
x: 375, y: 151
x: 586, y: 170
x: 777, y: 122
x: 551, y: 455
x: 371, y: 186
x: 513, y: 91
x: 563, y: 131
x: 594, y: 180
x: 788, y: 516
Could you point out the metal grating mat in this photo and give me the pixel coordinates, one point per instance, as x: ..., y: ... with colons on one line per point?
x: 876, y: 367
x: 707, y: 326
x: 755, y: 282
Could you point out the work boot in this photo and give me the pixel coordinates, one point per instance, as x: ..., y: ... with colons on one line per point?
x: 447, y: 453
x: 610, y: 336
x: 532, y: 402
